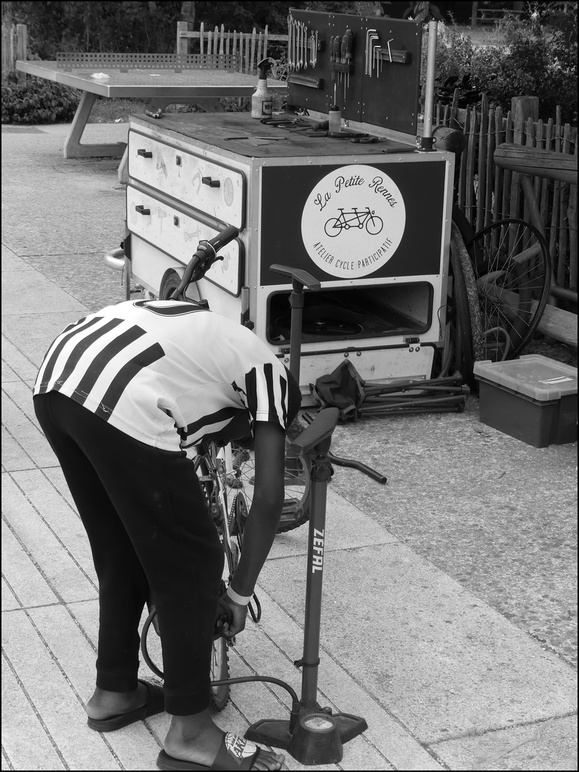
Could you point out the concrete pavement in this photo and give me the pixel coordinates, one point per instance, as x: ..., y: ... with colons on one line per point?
x: 442, y: 677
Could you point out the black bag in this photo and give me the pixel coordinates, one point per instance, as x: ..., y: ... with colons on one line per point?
x: 343, y: 388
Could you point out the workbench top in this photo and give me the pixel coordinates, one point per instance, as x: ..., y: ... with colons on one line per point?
x: 242, y: 134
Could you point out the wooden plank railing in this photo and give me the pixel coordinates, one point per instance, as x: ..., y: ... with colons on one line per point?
x: 528, y: 163
x: 249, y: 47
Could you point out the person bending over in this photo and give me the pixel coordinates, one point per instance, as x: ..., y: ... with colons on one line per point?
x: 120, y: 394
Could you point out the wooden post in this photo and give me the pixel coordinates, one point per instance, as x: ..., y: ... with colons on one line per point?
x: 473, y: 14
x: 182, y: 42
x: 523, y: 108
x: 7, y: 48
x: 17, y: 49
x: 572, y: 215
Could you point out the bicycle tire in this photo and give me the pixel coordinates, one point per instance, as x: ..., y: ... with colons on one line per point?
x: 374, y: 219
x: 335, y: 226
x: 147, y: 645
x: 472, y: 294
x: 458, y: 317
x: 296, y: 506
x: 152, y: 654
x: 512, y: 270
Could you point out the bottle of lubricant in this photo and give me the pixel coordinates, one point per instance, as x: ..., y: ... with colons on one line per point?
x: 262, y: 100
x: 334, y: 120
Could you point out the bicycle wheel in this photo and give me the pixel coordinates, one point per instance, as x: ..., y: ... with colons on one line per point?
x: 333, y: 227
x: 374, y: 225
x: 512, y: 270
x: 458, y: 318
x: 457, y: 242
x: 151, y: 649
x: 151, y: 646
x: 212, y: 478
x: 296, y: 506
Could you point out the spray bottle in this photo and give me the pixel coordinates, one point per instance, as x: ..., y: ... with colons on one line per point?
x: 262, y: 101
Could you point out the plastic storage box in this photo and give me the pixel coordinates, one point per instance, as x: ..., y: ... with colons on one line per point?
x: 532, y: 398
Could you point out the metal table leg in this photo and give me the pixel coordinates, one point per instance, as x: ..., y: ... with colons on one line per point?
x: 73, y: 147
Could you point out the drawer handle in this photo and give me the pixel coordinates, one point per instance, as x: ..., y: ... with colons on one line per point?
x: 144, y: 153
x: 212, y: 183
x: 141, y: 209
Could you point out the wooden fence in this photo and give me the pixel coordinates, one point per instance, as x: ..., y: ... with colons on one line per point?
x: 487, y: 193
x: 14, y: 45
x: 249, y: 47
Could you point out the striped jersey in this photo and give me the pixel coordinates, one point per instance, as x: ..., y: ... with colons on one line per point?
x: 165, y: 372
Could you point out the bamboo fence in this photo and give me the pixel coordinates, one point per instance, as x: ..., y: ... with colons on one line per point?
x: 487, y: 193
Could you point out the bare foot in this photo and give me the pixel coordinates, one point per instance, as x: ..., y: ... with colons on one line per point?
x: 196, y: 738
x: 104, y: 704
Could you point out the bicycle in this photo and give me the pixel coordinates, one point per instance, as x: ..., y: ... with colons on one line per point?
x: 228, y: 507
x: 354, y: 219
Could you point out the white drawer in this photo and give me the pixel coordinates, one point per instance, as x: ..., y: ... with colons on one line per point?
x: 178, y: 234
x: 211, y: 188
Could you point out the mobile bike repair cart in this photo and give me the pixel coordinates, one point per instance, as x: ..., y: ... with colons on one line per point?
x: 366, y: 210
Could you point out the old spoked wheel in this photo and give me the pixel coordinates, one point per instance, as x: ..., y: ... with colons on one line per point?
x: 512, y: 270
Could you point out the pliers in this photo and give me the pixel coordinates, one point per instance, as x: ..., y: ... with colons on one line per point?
x: 365, y: 139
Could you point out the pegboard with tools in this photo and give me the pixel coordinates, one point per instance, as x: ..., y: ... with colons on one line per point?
x: 368, y: 67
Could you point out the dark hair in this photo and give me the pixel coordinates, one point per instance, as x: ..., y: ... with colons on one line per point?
x: 294, y: 398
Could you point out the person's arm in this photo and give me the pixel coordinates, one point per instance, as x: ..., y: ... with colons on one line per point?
x: 263, y: 518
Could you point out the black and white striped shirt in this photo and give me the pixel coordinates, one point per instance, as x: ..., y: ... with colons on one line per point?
x: 165, y: 372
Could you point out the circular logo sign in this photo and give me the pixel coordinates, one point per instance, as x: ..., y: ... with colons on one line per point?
x: 353, y: 221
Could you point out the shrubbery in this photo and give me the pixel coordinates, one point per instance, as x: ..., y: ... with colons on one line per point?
x: 535, y: 60
x: 38, y: 101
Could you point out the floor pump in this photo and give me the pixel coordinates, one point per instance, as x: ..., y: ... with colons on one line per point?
x: 312, y: 734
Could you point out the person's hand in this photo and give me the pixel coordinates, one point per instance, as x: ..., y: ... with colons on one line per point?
x: 230, y: 617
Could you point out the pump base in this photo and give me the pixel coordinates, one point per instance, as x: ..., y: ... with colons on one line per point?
x: 317, y: 737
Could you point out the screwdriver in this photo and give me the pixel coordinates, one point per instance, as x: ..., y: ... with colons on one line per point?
x: 349, y: 45
x: 343, y: 61
x: 336, y: 46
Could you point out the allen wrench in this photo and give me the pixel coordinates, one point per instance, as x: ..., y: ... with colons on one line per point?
x: 371, y: 35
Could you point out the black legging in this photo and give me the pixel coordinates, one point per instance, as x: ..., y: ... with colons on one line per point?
x: 148, y: 526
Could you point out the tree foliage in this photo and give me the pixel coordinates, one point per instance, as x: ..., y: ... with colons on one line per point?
x: 143, y: 27
x: 537, y: 58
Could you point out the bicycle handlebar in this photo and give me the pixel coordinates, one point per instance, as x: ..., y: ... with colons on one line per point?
x: 203, y: 259
x: 382, y: 479
x: 320, y: 429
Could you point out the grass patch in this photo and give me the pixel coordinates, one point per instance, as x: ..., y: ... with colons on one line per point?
x: 115, y: 110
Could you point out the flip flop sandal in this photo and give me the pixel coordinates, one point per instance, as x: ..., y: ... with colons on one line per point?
x: 155, y: 704
x: 234, y: 753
